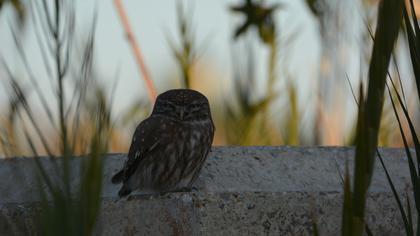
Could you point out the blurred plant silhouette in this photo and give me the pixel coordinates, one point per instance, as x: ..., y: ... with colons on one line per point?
x: 79, y: 123
x: 17, y: 5
x: 315, y: 6
x: 247, y: 122
x: 187, y: 54
x: 244, y: 121
x: 259, y: 16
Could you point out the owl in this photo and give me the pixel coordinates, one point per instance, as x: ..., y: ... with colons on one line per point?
x: 169, y: 148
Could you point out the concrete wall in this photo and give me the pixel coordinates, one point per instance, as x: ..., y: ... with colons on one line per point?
x: 241, y: 191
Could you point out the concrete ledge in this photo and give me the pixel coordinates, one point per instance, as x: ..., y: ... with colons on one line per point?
x: 241, y: 191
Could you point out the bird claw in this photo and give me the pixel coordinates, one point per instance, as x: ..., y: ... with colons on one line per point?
x: 194, y: 189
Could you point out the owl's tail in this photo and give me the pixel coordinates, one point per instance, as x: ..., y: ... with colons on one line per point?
x: 124, y: 191
x: 118, y: 177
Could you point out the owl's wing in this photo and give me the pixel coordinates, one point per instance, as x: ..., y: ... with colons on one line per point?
x: 145, y: 139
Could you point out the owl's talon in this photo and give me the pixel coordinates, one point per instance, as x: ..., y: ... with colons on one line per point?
x: 184, y: 189
x: 194, y: 189
x: 187, y: 189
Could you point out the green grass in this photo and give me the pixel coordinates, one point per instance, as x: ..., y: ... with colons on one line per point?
x: 370, y: 111
x: 413, y: 38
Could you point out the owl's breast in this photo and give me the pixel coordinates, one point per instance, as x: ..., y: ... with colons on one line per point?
x: 179, y: 155
x: 198, y: 133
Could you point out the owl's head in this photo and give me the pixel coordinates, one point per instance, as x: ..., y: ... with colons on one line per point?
x: 182, y: 105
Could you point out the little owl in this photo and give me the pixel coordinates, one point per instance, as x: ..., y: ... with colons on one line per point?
x: 170, y: 146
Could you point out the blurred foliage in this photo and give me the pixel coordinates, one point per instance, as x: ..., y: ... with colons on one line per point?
x: 257, y: 15
x: 292, y: 137
x: 17, y: 5
x: 316, y: 7
x: 244, y: 117
x: 79, y: 123
x: 187, y: 55
x: 248, y: 122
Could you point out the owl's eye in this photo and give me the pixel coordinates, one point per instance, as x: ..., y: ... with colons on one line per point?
x: 194, y: 107
x: 167, y: 107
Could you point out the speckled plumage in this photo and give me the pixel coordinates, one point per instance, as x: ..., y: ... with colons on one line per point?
x: 170, y: 146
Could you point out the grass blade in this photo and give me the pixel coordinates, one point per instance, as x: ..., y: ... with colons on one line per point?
x: 411, y: 126
x: 367, y: 230
x: 411, y: 165
x: 389, y: 19
x: 407, y: 223
x: 410, y: 216
x: 415, y: 22
x: 414, y: 47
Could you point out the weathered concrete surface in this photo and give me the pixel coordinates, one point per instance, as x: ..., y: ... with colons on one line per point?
x: 241, y: 191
